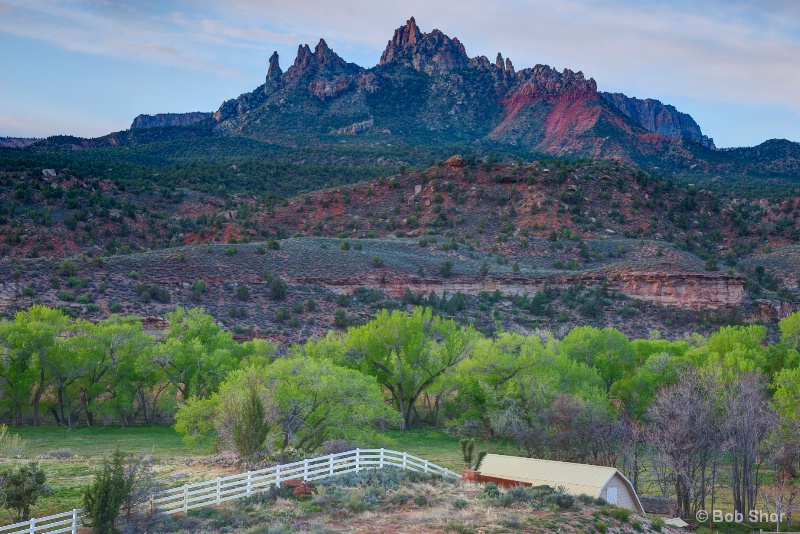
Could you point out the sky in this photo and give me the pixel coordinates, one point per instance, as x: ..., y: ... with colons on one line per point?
x: 88, y: 67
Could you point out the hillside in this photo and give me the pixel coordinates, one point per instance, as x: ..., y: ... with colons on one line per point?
x: 585, y: 207
x: 518, y: 246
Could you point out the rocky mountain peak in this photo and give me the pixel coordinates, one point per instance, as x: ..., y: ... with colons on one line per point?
x: 660, y: 118
x: 323, y: 62
x: 509, y: 66
x: 404, y: 36
x: 273, y: 74
x: 432, y: 53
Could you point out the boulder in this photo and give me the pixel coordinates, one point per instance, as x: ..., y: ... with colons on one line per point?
x: 455, y: 162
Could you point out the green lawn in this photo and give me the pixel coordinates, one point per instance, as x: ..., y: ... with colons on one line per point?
x: 438, y: 447
x: 97, y: 442
x: 68, y: 477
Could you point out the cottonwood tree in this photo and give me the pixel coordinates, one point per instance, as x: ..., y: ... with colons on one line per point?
x: 780, y: 496
x: 307, y: 402
x: 25, y: 342
x: 683, y: 433
x: 747, y: 421
x: 786, y: 403
x: 607, y: 350
x: 408, y: 353
x: 790, y: 330
x: 490, y: 374
x: 196, y: 354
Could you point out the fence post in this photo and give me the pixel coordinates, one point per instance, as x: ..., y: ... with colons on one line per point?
x: 186, y: 498
x: 380, y: 461
x: 330, y: 460
x: 426, y: 466
x: 33, y: 526
x: 74, y: 521
x: 278, y: 475
x: 358, y: 460
x: 151, y: 504
x: 405, y: 460
x: 219, y: 490
x: 249, y: 482
x: 305, y: 470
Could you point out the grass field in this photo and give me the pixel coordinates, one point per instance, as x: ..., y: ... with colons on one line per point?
x: 86, y: 447
x: 438, y: 447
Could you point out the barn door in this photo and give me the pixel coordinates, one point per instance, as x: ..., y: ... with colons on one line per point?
x: 611, y: 495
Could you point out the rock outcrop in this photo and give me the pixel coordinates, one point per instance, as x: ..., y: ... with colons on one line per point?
x: 169, y: 119
x: 681, y: 290
x: 321, y: 68
x: 274, y: 73
x: 16, y: 142
x: 660, y: 118
x: 431, y: 53
x: 356, y: 128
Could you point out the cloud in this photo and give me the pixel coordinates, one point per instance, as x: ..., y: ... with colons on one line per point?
x: 121, y: 31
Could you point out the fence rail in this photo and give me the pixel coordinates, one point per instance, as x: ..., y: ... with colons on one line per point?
x: 219, y: 490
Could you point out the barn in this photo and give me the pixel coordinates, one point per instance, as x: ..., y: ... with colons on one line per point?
x: 576, y: 479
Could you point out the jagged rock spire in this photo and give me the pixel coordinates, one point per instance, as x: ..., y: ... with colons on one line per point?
x: 432, y: 53
x: 499, y: 61
x: 404, y: 36
x: 509, y: 66
x: 274, y: 73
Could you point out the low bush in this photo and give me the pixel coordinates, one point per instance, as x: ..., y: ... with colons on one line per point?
x: 459, y: 528
x: 489, y: 491
x: 656, y: 523
x: 601, y: 526
x: 460, y: 504
x: 562, y: 500
x: 356, y: 503
x: 388, y: 477
x: 620, y: 514
x: 11, y: 445
x: 420, y: 499
x: 515, y: 495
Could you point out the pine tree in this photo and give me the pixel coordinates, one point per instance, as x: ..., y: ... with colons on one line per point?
x: 250, y: 428
x: 103, y: 498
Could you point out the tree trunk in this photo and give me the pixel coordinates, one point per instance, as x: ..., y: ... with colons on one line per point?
x: 37, y: 397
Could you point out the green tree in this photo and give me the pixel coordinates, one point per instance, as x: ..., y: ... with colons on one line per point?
x: 243, y: 292
x: 108, y: 355
x: 307, y: 401
x: 607, y: 350
x: 195, y: 354
x: 21, y: 488
x: 408, y: 353
x: 250, y: 427
x: 29, y: 339
x: 790, y: 330
x: 103, y: 498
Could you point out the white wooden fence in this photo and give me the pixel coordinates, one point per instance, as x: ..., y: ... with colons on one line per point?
x: 219, y: 490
